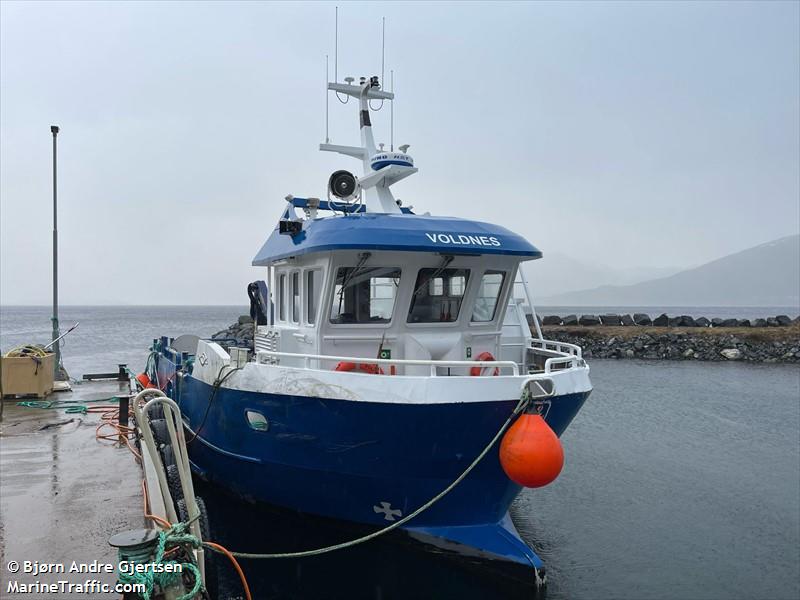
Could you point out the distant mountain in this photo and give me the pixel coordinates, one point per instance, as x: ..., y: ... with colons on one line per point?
x: 766, y: 275
x: 557, y: 274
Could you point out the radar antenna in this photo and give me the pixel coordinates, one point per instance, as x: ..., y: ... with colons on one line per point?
x: 381, y: 169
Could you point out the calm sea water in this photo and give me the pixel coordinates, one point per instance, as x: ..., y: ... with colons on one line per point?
x: 682, y: 480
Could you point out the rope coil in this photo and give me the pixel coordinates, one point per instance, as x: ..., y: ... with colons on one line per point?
x: 174, y: 537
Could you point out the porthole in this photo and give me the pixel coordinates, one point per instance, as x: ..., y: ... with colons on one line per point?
x: 256, y: 420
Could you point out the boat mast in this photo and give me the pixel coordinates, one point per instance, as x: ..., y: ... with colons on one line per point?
x: 381, y: 169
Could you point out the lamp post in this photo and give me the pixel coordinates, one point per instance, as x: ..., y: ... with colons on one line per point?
x: 54, y: 319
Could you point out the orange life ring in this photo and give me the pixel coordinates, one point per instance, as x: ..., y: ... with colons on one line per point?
x: 366, y: 367
x: 477, y: 371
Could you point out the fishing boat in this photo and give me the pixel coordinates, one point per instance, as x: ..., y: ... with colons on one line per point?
x: 390, y: 349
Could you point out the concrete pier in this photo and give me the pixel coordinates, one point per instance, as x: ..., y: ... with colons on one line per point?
x: 64, y: 493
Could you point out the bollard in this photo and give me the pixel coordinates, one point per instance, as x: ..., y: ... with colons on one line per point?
x: 124, y: 409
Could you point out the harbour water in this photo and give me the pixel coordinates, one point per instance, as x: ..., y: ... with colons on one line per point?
x: 682, y: 480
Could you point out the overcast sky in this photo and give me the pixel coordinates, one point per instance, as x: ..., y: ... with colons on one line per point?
x: 629, y: 134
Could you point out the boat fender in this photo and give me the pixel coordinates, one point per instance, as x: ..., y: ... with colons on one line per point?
x: 478, y: 371
x: 366, y: 367
x: 211, y: 562
x: 144, y: 381
x: 531, y: 453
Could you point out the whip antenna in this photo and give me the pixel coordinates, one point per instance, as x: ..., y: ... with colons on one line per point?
x: 336, y: 57
x: 336, y: 47
x: 391, y: 113
x: 327, y: 139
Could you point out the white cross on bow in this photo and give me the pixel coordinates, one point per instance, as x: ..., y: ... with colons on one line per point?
x: 388, y: 512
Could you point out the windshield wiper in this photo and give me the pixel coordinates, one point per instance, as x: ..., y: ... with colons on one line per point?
x: 439, y: 270
x: 362, y: 258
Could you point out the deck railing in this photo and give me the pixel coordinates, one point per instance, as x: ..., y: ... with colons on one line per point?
x: 561, y: 354
x: 433, y: 364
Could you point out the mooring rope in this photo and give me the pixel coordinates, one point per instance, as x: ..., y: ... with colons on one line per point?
x: 521, y: 406
x: 174, y: 536
x: 69, y: 406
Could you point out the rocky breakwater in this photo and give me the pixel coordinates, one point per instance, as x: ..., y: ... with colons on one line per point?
x: 768, y: 340
x: 238, y: 335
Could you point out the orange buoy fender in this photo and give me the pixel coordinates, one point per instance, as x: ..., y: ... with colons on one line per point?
x: 531, y: 453
x: 144, y: 380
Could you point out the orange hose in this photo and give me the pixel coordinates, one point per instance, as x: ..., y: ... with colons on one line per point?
x: 147, y: 515
x: 225, y: 551
x: 108, y: 419
x: 236, y: 566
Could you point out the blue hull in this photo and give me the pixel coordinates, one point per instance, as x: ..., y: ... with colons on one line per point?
x: 367, y: 462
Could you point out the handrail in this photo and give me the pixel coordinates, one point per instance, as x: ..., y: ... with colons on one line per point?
x: 501, y: 364
x: 572, y: 359
x: 570, y: 353
x: 555, y: 346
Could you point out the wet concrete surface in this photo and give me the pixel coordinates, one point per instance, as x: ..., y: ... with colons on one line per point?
x: 63, y: 493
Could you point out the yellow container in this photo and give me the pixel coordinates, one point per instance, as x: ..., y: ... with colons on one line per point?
x: 26, y: 376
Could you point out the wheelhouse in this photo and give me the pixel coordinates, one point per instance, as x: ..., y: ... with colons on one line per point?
x: 394, y: 287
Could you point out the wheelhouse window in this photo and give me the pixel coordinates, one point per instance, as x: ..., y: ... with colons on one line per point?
x: 282, y: 297
x: 488, y: 295
x: 438, y: 294
x: 313, y: 289
x: 364, y: 295
x: 296, y: 297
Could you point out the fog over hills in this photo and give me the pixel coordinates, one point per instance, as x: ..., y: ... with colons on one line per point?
x: 765, y: 275
x: 558, y: 273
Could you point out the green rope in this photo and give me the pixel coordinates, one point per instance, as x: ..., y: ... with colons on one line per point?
x: 174, y: 536
x: 521, y: 406
x: 69, y: 406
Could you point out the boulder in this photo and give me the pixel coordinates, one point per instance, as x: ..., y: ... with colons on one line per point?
x: 760, y: 323
x: 689, y: 353
x: 729, y: 323
x: 674, y: 321
x: 743, y: 323
x: 783, y: 320
x: 702, y: 322
x: 589, y: 320
x: 731, y: 353
x: 772, y: 322
x: 716, y: 322
x: 551, y: 320
x: 610, y: 319
x: 687, y: 321
x: 627, y: 321
x: 661, y: 320
x: 642, y: 319
x: 570, y: 320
